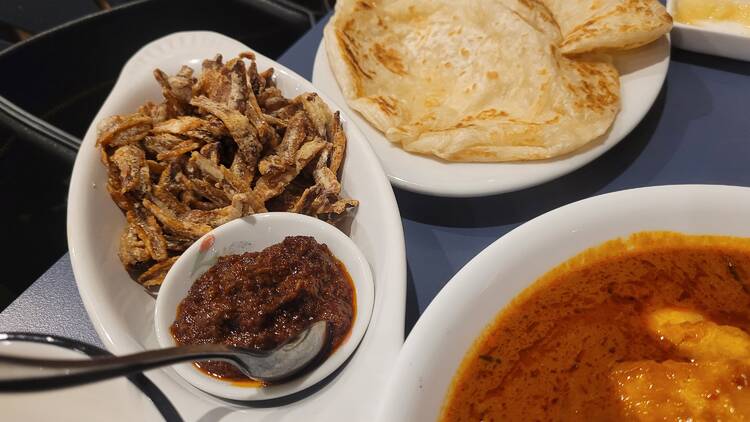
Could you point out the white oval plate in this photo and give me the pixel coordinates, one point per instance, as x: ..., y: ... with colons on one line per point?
x: 122, y: 312
x: 642, y: 73
x: 472, y: 299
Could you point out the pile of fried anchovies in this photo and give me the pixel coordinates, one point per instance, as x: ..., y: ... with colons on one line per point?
x: 219, y: 147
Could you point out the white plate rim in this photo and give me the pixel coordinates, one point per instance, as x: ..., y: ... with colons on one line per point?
x: 411, y: 179
x: 407, y: 379
x: 120, y: 341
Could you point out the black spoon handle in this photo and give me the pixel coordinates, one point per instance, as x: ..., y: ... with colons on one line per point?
x: 26, y: 123
x: 31, y: 374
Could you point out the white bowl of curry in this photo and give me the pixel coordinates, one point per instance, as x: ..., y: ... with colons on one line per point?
x: 633, y: 305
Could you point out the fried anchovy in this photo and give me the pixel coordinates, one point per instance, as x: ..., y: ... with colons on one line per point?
x: 243, y: 133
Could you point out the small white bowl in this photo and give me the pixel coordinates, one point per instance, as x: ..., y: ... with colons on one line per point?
x: 708, y: 40
x: 251, y: 234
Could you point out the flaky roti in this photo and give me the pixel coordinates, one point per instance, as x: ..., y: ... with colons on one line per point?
x: 469, y: 80
x: 606, y: 25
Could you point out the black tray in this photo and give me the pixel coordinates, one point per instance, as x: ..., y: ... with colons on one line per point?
x: 59, y: 79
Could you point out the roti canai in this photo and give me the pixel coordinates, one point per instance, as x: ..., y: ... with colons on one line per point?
x: 470, y: 80
x: 608, y: 25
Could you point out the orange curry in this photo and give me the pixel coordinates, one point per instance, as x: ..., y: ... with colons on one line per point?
x: 577, y: 343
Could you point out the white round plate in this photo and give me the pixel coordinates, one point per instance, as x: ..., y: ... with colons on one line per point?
x: 122, y: 312
x: 253, y: 234
x: 642, y: 73
x: 472, y: 299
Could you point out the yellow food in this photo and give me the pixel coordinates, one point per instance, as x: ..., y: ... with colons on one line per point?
x: 694, y: 12
x: 698, y: 339
x: 713, y: 385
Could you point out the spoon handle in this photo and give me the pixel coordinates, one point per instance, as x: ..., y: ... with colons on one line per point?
x: 19, y: 374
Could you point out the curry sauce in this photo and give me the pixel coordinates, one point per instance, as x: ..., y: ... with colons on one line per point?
x: 551, y: 353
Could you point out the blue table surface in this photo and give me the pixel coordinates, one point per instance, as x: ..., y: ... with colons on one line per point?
x: 698, y: 131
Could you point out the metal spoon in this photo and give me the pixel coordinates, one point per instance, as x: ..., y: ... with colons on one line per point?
x: 30, y: 374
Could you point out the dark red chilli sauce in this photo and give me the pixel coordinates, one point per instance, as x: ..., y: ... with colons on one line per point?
x: 259, y: 300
